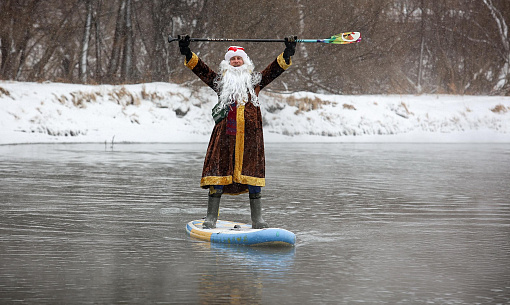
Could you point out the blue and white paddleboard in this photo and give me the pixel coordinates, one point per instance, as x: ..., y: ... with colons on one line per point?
x: 236, y: 233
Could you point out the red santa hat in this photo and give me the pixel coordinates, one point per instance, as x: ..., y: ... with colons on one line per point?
x: 236, y: 51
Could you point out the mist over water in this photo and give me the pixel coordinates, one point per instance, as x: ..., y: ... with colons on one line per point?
x: 375, y: 223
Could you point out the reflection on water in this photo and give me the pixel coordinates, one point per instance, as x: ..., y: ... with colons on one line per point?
x: 250, y: 270
x: 375, y: 223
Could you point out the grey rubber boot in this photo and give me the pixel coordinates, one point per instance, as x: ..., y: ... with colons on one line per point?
x: 256, y: 212
x: 213, y: 208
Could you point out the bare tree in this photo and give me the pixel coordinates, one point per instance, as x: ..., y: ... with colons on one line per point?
x: 498, y: 14
x: 85, y: 42
x: 17, y: 18
x: 118, y: 42
x: 98, y: 75
x: 408, y: 46
x: 128, y: 44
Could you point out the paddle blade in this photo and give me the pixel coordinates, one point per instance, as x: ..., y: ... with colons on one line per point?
x: 345, y: 38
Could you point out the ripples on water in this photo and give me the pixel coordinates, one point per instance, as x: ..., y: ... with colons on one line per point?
x: 376, y: 223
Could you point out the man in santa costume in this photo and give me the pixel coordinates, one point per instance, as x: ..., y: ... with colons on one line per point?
x: 235, y: 161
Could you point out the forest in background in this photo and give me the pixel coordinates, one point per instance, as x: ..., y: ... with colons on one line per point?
x: 407, y: 47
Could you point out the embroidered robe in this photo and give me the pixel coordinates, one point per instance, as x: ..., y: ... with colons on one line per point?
x: 236, y: 159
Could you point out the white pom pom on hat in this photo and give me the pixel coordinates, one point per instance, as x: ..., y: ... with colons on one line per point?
x: 236, y: 51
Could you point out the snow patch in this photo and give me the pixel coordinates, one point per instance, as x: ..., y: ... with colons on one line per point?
x: 166, y: 112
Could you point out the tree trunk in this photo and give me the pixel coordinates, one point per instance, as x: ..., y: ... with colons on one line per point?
x: 128, y: 45
x: 117, y: 43
x: 157, y: 60
x: 85, y: 42
x: 504, y: 72
x: 22, y: 53
x: 98, y: 74
x: 422, y: 46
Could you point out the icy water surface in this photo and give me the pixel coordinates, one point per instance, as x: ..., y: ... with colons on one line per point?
x: 375, y: 224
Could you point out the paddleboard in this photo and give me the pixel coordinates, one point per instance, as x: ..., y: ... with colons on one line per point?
x: 229, y: 232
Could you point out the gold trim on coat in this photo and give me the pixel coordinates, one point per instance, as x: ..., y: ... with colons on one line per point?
x: 216, y: 180
x: 282, y: 63
x: 239, y: 157
x: 239, y: 154
x: 193, y: 61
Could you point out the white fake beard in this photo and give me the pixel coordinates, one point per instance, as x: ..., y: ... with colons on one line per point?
x: 236, y: 83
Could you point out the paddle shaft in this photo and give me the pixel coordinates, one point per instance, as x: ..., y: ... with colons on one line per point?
x: 170, y: 39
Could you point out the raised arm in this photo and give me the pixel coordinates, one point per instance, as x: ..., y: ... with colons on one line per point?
x: 196, y: 65
x: 280, y: 64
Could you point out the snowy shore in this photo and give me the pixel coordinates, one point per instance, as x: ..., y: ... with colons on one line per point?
x: 165, y: 112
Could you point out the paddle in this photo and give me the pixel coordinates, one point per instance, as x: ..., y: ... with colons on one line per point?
x: 342, y: 38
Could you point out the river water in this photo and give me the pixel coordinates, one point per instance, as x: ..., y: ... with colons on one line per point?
x: 375, y: 224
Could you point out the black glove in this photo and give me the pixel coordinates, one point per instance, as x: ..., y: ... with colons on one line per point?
x: 184, y: 41
x: 290, y: 48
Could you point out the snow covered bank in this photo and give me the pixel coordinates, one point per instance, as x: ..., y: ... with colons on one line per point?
x: 164, y: 112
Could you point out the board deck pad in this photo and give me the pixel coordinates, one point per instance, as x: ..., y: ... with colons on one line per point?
x: 230, y: 232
